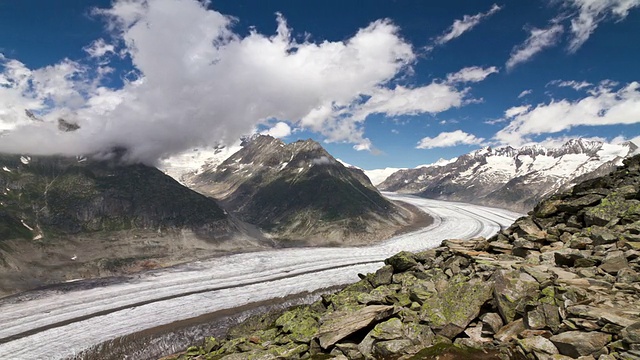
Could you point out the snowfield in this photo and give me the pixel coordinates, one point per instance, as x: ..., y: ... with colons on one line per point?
x: 58, y: 325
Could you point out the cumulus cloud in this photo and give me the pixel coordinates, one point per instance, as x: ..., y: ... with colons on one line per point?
x: 538, y: 40
x: 468, y: 22
x: 448, y: 139
x: 279, y: 130
x: 605, y: 105
x: 194, y: 82
x: 471, y: 74
x: 590, y: 13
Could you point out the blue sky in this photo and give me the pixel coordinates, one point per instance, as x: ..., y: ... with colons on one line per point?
x: 388, y: 84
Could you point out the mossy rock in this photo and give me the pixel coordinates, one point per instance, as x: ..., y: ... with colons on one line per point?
x: 300, y: 323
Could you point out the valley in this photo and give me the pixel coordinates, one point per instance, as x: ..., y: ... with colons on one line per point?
x: 96, y: 315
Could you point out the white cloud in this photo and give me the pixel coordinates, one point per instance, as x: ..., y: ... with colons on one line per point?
x: 279, y: 130
x: 196, y: 82
x: 468, y: 22
x: 99, y: 48
x: 591, y: 13
x: 471, y: 74
x: 448, y: 139
x: 516, y: 110
x: 576, y: 85
x: 525, y: 93
x: 538, y: 40
x: 604, y: 106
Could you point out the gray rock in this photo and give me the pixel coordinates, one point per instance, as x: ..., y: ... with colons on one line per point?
x: 382, y: 276
x: 512, y: 291
x: 492, y: 321
x: 340, y: 324
x: 613, y: 262
x: 538, y: 344
x: 510, y: 331
x: 579, y: 343
x: 631, y: 334
x: 402, y: 261
x: 454, y: 307
x: 386, y: 349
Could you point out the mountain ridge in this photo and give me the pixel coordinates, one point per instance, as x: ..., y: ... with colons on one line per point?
x: 511, y: 178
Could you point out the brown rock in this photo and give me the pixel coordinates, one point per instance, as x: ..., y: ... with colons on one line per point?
x: 579, y: 343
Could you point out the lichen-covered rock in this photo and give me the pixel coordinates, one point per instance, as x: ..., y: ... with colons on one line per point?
x: 512, y: 290
x: 301, y: 324
x: 579, y: 343
x: 454, y: 308
x: 402, y: 261
x: 338, y: 325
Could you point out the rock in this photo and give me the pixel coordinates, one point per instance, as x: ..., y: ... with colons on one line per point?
x: 402, y: 261
x: 389, y: 330
x: 510, y: 331
x: 382, y: 276
x: 601, y: 236
x: 574, y: 205
x: 547, y: 208
x: 511, y: 291
x: 492, y: 321
x: 350, y: 350
x: 613, y: 262
x: 300, y: 323
x: 631, y: 334
x: 528, y: 227
x: 538, y: 344
x: 454, y: 308
x: 387, y: 349
x: 340, y: 324
x: 610, y: 208
x: 579, y: 343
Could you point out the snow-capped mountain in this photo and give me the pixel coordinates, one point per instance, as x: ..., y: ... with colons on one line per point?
x: 511, y: 178
x: 184, y: 166
x: 299, y: 191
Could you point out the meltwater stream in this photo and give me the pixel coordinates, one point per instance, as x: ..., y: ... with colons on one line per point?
x: 161, y: 306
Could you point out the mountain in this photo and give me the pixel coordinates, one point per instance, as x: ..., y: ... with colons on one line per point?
x: 511, y: 178
x: 298, y: 191
x: 562, y: 283
x: 63, y: 218
x: 185, y: 165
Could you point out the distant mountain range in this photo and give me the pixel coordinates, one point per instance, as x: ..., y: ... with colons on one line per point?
x: 511, y: 178
x: 299, y: 192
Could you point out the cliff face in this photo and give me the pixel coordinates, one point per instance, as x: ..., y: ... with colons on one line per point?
x: 561, y: 283
x: 298, y: 191
x: 66, y: 218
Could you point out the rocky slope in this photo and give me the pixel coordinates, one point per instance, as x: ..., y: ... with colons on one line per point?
x: 299, y: 192
x: 562, y: 283
x: 511, y: 178
x: 66, y: 218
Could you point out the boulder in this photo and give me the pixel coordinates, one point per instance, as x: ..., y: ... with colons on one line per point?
x: 382, y: 276
x: 580, y: 343
x: 453, y: 309
x: 614, y: 261
x: 340, y: 324
x: 402, y: 261
x: 538, y: 344
x: 631, y: 334
x: 512, y: 290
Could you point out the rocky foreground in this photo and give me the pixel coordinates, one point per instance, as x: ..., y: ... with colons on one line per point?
x: 561, y: 283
